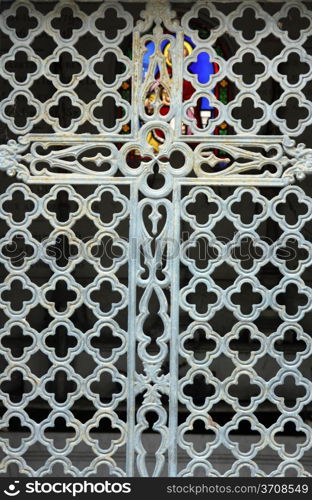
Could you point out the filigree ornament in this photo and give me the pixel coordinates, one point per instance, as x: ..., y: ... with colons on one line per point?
x: 159, y: 427
x: 290, y: 161
x: 10, y: 155
x: 300, y: 160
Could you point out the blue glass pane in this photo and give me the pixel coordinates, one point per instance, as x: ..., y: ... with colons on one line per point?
x: 205, y: 104
x: 150, y: 51
x: 203, y: 67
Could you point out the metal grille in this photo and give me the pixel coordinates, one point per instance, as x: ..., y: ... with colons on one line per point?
x: 156, y: 294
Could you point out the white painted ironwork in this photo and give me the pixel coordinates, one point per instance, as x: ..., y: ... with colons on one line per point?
x: 121, y: 165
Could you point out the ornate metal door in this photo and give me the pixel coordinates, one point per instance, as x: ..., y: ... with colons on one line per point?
x: 136, y: 136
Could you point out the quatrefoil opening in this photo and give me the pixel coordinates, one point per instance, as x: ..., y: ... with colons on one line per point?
x: 20, y: 430
x: 199, y: 389
x: 18, y: 340
x: 107, y: 295
x: 290, y: 345
x: 290, y: 391
x: 300, y: 441
x: 60, y: 442
x: 107, y: 385
x: 61, y: 295
x: 191, y: 435
x: 245, y: 389
x: 18, y: 250
x: 247, y: 298
x: 245, y: 436
x: 61, y: 341
x: 106, y: 340
x: 23, y: 22
x: 62, y: 385
x: 19, y: 205
x: 63, y: 206
x: 17, y: 386
x: 106, y: 431
x: 201, y: 298
x: 199, y: 344
x: 18, y: 295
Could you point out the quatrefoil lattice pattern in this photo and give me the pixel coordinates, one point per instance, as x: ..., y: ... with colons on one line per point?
x: 71, y: 50
x: 247, y: 299
x: 81, y: 322
x: 67, y: 50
